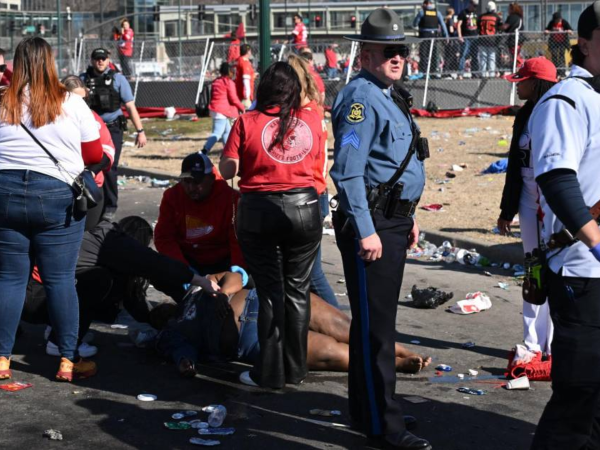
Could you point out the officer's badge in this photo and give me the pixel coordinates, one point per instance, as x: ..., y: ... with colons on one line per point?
x: 357, y: 113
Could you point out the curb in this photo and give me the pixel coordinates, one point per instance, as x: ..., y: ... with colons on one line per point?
x: 510, y: 252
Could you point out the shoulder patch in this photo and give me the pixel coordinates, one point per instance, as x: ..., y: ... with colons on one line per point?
x: 356, y: 113
x: 351, y: 139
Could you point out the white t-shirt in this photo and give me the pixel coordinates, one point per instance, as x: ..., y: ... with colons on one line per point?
x: 63, y: 138
x: 567, y: 137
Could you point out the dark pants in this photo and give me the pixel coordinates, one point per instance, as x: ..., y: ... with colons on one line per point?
x: 111, y: 191
x: 373, y: 290
x: 279, y: 234
x: 125, y: 68
x: 93, y: 286
x: 571, y: 419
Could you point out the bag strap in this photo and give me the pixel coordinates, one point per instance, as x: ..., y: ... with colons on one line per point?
x: 54, y: 160
x: 399, y: 101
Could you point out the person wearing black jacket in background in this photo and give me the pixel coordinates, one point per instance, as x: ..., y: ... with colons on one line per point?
x: 521, y: 194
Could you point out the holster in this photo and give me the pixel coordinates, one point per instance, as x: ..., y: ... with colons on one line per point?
x: 535, y: 285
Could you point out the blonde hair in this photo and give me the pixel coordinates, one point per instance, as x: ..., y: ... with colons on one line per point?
x: 307, y: 83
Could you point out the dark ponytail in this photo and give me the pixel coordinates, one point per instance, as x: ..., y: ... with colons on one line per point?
x: 279, y: 87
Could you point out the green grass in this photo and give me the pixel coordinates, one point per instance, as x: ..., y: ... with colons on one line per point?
x: 185, y: 127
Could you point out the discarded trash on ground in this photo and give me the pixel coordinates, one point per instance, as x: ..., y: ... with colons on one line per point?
x: 119, y: 326
x: 217, y: 414
x: 503, y: 286
x: 473, y: 303
x: 197, y: 424
x: 499, y: 166
x: 16, y: 386
x: 53, y: 435
x: 177, y: 425
x: 470, y: 391
x: 468, y: 344
x: 473, y: 372
x: 429, y: 298
x: 432, y: 207
x: 521, y: 383
x: 216, y: 431
x: 415, y: 342
x: 204, y: 442
x: 444, y: 368
x: 325, y: 412
x: 147, y: 397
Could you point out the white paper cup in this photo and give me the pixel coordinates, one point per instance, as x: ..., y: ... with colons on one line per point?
x: 518, y: 383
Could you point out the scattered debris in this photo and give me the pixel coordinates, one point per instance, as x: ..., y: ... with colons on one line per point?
x: 432, y: 207
x: 341, y: 281
x: 444, y: 368
x: 499, y: 166
x: 473, y: 303
x: 503, y: 286
x: 325, y: 412
x: 198, y: 424
x: 216, y: 431
x: 470, y: 391
x: 468, y: 344
x: 429, y: 298
x: 177, y: 425
x: 415, y: 342
x: 518, y: 383
x: 473, y: 372
x: 119, y: 326
x: 146, y: 397
x: 53, y: 435
x: 204, y: 442
x: 15, y: 386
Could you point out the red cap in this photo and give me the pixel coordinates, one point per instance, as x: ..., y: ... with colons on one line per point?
x: 540, y: 68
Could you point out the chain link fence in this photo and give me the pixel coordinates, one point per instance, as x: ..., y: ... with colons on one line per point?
x: 441, y: 73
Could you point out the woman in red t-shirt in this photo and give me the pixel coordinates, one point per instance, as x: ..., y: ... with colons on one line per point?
x: 279, y: 223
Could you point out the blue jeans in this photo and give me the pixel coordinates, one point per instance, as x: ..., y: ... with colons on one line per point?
x: 172, y: 344
x: 332, y: 72
x: 318, y: 282
x: 220, y: 131
x: 465, y: 54
x: 248, y: 346
x: 37, y: 226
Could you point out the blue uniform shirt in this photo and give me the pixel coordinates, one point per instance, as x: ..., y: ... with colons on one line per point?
x: 372, y: 138
x: 122, y: 86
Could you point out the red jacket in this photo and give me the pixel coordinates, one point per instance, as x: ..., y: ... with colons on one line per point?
x: 233, y: 53
x: 6, y: 78
x: 224, y: 98
x: 107, y: 147
x: 199, y: 232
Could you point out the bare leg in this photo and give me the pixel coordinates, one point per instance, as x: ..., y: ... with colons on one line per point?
x: 325, y: 353
x: 327, y: 320
x: 403, y: 353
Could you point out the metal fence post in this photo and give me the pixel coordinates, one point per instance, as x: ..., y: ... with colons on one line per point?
x: 351, y: 61
x: 428, y: 71
x: 205, y: 62
x: 279, y: 58
x: 514, y: 68
x: 137, y: 74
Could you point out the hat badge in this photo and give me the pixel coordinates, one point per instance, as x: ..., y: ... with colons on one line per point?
x: 395, y: 27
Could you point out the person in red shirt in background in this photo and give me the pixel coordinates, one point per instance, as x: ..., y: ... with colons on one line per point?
x: 233, y: 52
x: 75, y: 85
x: 195, y: 222
x: 224, y: 106
x: 311, y: 103
x: 125, y: 47
x: 5, y: 72
x: 299, y: 37
x: 244, y: 76
x: 331, y: 57
x: 275, y: 147
x: 306, y: 53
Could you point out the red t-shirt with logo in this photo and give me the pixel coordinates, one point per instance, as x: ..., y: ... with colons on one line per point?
x: 126, y: 44
x: 280, y: 169
x: 332, y: 58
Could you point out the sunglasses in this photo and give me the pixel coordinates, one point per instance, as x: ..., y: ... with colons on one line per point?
x: 2, y: 67
x: 401, y: 50
x: 100, y: 59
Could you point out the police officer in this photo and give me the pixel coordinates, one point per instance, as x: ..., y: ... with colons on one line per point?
x: 379, y: 175
x: 108, y: 90
x: 429, y: 21
x: 565, y: 139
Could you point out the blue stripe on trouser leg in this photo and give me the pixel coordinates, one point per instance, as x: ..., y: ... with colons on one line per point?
x: 366, y: 344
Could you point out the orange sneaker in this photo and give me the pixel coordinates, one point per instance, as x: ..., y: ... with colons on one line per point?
x: 5, y: 372
x: 535, y: 370
x: 81, y: 369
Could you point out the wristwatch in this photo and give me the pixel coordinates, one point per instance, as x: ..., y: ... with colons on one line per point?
x: 141, y: 130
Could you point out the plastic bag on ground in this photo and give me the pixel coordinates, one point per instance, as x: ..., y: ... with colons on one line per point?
x: 429, y: 298
x: 474, y: 303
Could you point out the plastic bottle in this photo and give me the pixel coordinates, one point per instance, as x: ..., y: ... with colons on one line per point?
x: 450, y: 257
x: 217, y: 415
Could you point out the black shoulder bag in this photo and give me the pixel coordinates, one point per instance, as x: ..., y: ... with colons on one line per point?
x: 87, y: 192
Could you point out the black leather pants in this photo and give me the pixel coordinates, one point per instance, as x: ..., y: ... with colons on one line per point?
x: 279, y: 234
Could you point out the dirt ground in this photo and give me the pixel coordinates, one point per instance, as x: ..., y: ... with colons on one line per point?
x: 470, y: 200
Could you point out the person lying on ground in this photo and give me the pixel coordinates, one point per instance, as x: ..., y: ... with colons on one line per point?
x: 217, y: 328
x: 114, y: 267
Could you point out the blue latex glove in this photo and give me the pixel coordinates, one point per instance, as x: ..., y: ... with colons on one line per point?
x: 186, y: 286
x: 596, y: 252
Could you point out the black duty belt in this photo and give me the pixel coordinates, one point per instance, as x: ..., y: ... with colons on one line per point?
x: 405, y: 208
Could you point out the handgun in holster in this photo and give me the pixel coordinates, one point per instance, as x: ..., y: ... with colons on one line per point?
x: 123, y: 123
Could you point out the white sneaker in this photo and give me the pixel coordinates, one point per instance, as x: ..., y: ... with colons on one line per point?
x: 245, y: 379
x: 85, y: 350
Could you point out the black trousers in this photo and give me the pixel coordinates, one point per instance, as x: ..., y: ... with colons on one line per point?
x: 373, y: 290
x: 111, y: 191
x: 93, y: 286
x: 571, y: 419
x: 424, y: 47
x: 279, y: 234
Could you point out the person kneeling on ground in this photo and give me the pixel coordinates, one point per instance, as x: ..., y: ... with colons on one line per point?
x: 211, y: 330
x: 113, y: 270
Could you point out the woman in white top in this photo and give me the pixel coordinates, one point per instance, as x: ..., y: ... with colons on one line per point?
x: 38, y: 223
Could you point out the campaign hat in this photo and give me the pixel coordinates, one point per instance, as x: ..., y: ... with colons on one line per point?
x: 540, y: 68
x: 382, y: 26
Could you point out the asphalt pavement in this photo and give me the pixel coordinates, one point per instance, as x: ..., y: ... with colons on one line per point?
x: 104, y: 413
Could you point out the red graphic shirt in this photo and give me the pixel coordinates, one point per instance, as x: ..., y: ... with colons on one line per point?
x: 332, y: 58
x: 283, y: 167
x: 126, y: 43
x: 300, y: 35
x: 199, y: 232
